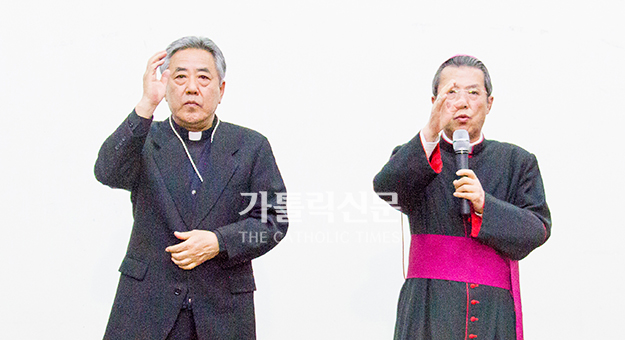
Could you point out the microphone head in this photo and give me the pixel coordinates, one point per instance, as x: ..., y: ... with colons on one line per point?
x: 462, y: 143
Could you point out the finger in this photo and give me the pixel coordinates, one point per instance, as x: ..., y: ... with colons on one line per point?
x: 188, y: 266
x: 442, y: 94
x: 468, y: 188
x: 182, y: 260
x: 158, y: 63
x: 182, y: 264
x: 185, y: 266
x: 438, y: 103
x: 464, y: 181
x: 467, y: 195
x: 462, y: 189
x: 450, y: 85
x: 165, y: 76
x: 177, y: 248
x: 155, y: 61
x: 180, y: 256
x: 157, y: 57
x: 182, y: 235
x: 466, y: 172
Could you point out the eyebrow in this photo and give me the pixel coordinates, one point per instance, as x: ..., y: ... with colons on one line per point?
x: 203, y: 69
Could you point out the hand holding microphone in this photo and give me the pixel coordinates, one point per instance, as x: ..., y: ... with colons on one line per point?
x: 468, y: 186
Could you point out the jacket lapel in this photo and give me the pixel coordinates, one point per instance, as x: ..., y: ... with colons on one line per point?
x: 172, y: 163
x: 221, y: 167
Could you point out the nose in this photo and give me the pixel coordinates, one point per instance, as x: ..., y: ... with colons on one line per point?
x: 461, y: 101
x: 191, y: 86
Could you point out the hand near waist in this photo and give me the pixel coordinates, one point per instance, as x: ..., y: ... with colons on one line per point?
x: 469, y: 187
x: 197, y: 247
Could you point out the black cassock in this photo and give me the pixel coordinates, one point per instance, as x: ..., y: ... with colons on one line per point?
x: 515, y: 221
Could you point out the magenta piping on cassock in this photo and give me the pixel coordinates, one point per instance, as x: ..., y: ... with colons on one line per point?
x: 516, y: 296
x: 465, y: 259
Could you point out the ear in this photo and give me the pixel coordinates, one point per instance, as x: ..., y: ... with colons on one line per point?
x: 489, y: 103
x: 433, y: 99
x: 222, y: 88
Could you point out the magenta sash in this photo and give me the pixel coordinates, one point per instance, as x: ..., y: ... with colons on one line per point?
x: 464, y: 259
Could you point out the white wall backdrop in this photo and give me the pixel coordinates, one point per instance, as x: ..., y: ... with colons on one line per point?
x: 334, y: 85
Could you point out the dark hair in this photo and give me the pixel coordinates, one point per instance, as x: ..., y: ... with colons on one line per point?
x: 201, y: 43
x: 463, y: 60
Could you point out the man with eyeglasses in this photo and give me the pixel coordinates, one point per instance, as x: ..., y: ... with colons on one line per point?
x: 462, y: 280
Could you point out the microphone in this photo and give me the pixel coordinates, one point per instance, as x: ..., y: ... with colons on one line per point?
x: 462, y: 147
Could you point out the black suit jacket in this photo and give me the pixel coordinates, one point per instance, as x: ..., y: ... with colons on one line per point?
x: 152, y: 288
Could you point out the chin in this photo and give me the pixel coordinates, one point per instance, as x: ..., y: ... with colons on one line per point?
x: 195, y: 119
x: 454, y: 128
x: 191, y: 117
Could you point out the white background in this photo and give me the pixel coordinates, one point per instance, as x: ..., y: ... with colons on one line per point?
x: 334, y: 85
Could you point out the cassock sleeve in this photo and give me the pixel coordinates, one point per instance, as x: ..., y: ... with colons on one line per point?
x: 265, y: 223
x: 517, y: 227
x: 119, y: 159
x: 407, y: 172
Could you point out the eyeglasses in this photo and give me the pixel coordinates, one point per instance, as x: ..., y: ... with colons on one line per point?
x: 473, y: 93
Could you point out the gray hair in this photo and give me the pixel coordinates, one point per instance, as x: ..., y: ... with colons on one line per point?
x: 201, y: 43
x: 463, y: 60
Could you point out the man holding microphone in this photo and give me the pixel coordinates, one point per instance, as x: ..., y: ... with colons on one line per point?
x: 462, y: 280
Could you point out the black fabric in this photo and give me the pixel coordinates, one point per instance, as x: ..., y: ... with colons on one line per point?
x: 152, y: 288
x: 184, y: 327
x: 516, y: 220
x: 200, y: 152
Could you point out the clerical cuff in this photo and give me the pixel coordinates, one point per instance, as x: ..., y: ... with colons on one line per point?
x: 429, y: 147
x: 476, y: 223
x: 433, y: 153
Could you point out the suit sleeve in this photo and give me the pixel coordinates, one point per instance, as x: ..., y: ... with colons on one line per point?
x: 119, y: 160
x: 408, y: 172
x: 517, y: 227
x: 265, y: 224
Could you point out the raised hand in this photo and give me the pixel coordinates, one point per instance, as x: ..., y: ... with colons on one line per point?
x: 440, y: 115
x: 153, y: 88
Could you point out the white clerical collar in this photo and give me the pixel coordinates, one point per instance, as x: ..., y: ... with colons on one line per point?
x: 450, y: 141
x: 195, y: 135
